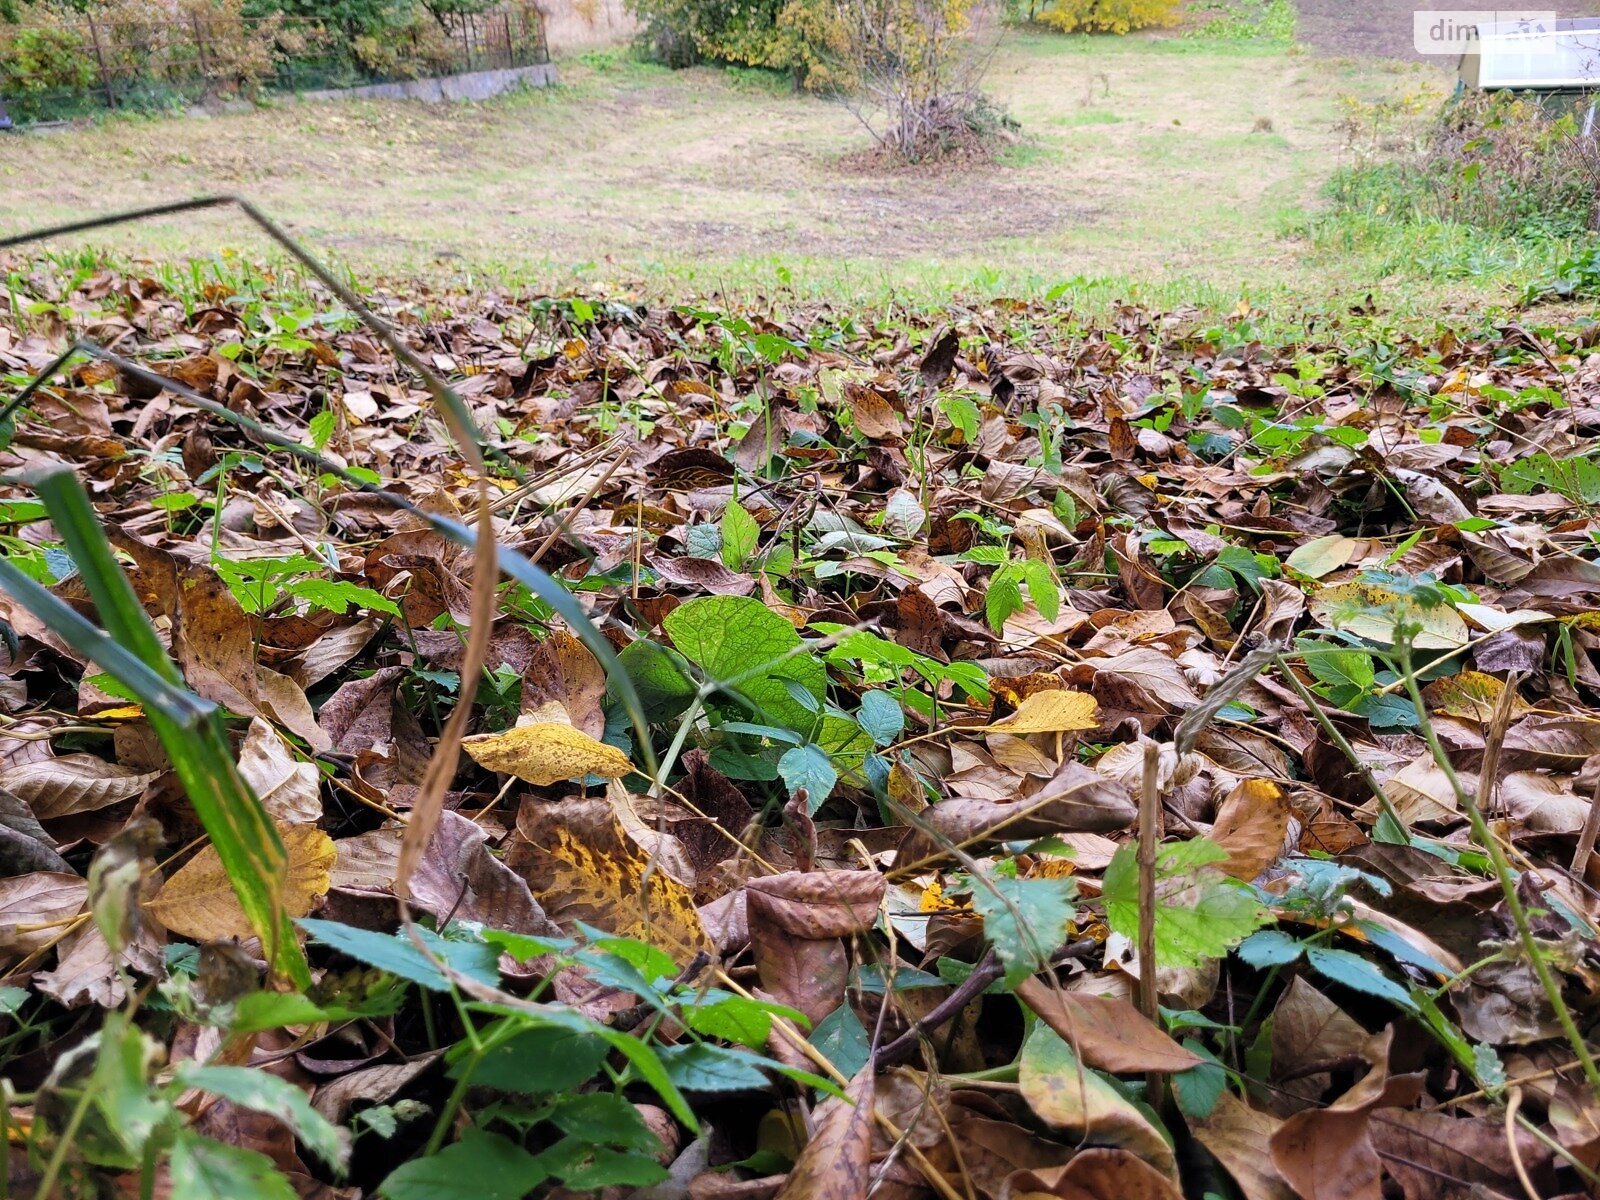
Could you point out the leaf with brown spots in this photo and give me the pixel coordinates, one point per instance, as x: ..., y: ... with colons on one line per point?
x: 582, y: 867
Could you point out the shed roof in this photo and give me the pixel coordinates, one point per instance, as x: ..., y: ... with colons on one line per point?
x: 1562, y: 55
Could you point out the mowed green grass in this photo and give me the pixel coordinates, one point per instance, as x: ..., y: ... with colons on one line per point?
x: 1161, y: 169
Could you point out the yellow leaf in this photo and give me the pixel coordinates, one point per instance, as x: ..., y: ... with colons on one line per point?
x: 198, y: 902
x: 583, y: 867
x: 127, y: 712
x: 547, y: 752
x: 1471, y: 695
x: 1322, y: 555
x: 1051, y: 712
x: 1371, y: 611
x: 905, y: 789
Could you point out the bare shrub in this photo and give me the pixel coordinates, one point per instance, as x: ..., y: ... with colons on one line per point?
x: 915, y: 68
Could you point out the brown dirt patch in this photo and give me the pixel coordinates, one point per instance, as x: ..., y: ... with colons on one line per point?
x: 1382, y: 28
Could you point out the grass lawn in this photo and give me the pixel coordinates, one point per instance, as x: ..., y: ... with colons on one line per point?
x: 1153, y: 168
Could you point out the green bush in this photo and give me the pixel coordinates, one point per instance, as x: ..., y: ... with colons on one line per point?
x: 1493, y: 161
x: 42, y: 55
x: 780, y: 35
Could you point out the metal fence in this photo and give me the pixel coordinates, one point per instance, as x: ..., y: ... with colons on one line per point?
x: 78, y: 68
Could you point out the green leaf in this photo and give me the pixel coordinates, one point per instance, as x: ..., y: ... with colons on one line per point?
x: 963, y: 414
x: 1250, y: 567
x: 1200, y: 1087
x: 1042, y: 587
x: 1341, y: 669
x: 122, y: 1115
x: 739, y: 641
x: 702, y: 1067
x: 335, y: 595
x: 536, y: 1062
x: 1200, y: 913
x: 321, y: 427
x: 881, y: 716
x: 258, y: 1011
x: 525, y: 947
x: 605, y: 1119
x: 1269, y: 948
x: 1003, y: 598
x: 1402, y: 950
x: 1355, y: 972
x: 262, y: 1092
x: 843, y: 1040
x: 483, y: 1166
x: 730, y: 1018
x: 587, y: 1167
x: 396, y: 954
x: 202, y: 1169
x: 740, y: 534
x: 1026, y: 920
x: 190, y: 729
x: 808, y: 767
x: 660, y: 676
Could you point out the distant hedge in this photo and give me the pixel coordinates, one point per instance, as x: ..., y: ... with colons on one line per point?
x: 64, y: 58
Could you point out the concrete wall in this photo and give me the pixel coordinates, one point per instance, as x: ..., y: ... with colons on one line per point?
x: 474, y: 85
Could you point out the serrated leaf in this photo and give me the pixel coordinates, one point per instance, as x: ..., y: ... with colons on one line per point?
x: 321, y: 427
x: 396, y: 954
x: 199, y: 1168
x: 587, y: 1168
x: 605, y: 1119
x: 702, y: 1067
x: 1026, y: 920
x: 881, y: 716
x: 808, y: 767
x: 1355, y: 972
x: 1200, y: 913
x: 263, y: 1092
x: 484, y: 1166
x: 731, y: 1019
x: 1003, y: 598
x: 1042, y: 587
x: 963, y: 414
x: 539, y: 1061
x: 337, y: 594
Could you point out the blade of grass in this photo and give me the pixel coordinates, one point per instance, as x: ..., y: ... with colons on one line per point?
x: 194, y: 738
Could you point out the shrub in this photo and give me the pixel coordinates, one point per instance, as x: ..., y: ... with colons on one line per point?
x: 1104, y: 16
x: 915, y: 67
x: 1492, y: 161
x: 682, y: 33
x: 42, y: 53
